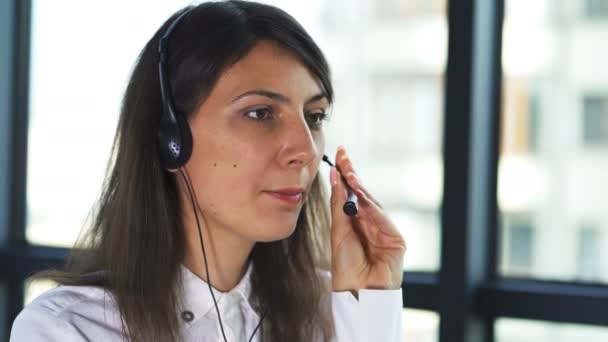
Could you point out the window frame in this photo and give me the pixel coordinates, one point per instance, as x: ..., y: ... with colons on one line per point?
x: 466, y: 292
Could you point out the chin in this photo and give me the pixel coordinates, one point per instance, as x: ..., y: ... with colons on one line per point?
x: 279, y: 233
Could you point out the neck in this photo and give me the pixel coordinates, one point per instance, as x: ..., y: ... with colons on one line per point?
x: 227, y: 254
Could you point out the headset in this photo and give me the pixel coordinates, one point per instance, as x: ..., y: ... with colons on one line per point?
x: 174, y: 135
x: 174, y: 141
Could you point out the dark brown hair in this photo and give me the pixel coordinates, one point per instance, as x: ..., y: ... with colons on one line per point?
x: 136, y: 234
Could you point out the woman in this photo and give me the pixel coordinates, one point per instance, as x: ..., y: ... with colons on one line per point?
x: 214, y: 182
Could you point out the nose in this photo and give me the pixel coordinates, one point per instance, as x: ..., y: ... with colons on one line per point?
x: 298, y: 146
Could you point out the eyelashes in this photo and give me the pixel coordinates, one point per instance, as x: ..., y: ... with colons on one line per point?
x: 314, y: 119
x: 319, y: 117
x: 260, y: 114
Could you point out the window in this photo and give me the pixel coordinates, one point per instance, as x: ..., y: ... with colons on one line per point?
x: 595, y: 111
x: 521, y: 246
x: 74, y: 107
x: 546, y: 167
x: 521, y: 241
x: 420, y: 325
x: 35, y: 288
x: 588, y: 263
x: 596, y: 8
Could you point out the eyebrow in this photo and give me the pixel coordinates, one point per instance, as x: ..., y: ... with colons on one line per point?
x: 277, y: 96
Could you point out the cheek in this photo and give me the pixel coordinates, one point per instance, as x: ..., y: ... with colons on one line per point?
x: 225, y: 175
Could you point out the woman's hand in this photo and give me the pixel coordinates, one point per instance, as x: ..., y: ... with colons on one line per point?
x: 367, y: 249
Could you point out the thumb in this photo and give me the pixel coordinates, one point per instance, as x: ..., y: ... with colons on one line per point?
x: 339, y: 220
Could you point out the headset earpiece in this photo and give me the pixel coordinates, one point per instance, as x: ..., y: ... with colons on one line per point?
x: 174, y: 139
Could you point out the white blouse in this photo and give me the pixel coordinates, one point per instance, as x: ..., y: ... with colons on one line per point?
x: 88, y: 313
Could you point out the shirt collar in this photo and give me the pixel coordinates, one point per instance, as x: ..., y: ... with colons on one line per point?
x: 197, y: 298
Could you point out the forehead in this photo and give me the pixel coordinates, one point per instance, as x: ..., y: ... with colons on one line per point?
x: 270, y: 66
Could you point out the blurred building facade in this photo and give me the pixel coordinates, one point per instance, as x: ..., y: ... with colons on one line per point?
x: 554, y: 146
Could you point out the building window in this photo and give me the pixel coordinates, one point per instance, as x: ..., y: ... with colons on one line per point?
x: 589, y: 238
x: 595, y: 111
x: 596, y: 8
x: 521, y: 241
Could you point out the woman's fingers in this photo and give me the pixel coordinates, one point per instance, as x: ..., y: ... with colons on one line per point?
x: 386, y: 232
x: 375, y: 214
x: 371, y: 213
x: 354, y: 179
x: 340, y: 222
x: 345, y: 165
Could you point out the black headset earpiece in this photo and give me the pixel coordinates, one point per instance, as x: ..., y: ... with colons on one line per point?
x: 174, y: 137
x: 174, y: 140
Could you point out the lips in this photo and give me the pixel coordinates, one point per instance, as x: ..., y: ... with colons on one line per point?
x: 288, y: 195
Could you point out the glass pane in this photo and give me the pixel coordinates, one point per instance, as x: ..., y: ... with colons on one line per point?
x: 35, y: 288
x: 554, y: 148
x: 420, y: 325
x: 520, y: 330
x: 388, y: 110
x: 79, y: 68
x: 388, y: 59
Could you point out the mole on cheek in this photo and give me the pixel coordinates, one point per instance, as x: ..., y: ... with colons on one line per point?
x: 233, y: 165
x: 214, y: 164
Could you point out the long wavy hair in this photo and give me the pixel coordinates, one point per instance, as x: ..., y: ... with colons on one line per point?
x: 136, y: 234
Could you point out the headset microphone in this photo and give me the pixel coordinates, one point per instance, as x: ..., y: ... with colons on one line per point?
x: 350, y: 206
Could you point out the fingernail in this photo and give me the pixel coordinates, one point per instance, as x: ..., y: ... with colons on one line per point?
x: 333, y: 179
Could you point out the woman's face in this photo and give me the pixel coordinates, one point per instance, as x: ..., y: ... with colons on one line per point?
x: 258, y: 132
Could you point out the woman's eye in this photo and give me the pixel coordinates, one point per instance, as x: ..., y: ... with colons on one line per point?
x: 316, y: 118
x: 259, y: 114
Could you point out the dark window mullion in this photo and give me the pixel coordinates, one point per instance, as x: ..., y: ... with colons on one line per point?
x: 15, y: 301
x: 495, y: 112
x: 454, y: 284
x: 7, y: 38
x: 471, y: 131
x: 420, y: 291
x: 544, y: 301
x: 20, y: 113
x: 16, y: 169
x: 21, y: 262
